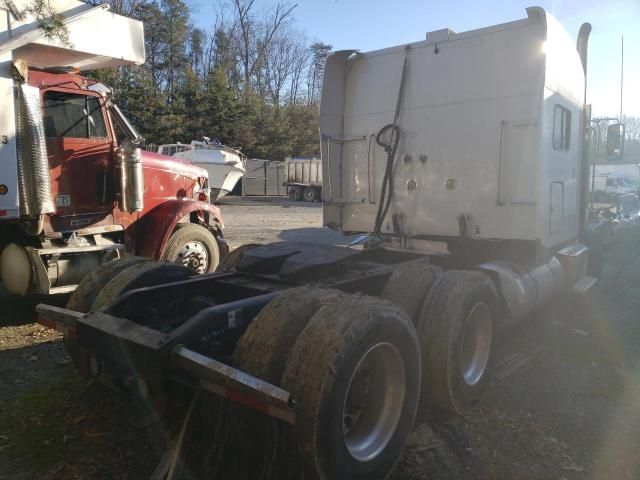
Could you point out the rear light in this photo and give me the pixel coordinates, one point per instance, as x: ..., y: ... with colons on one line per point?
x: 202, y: 197
x: 3, y: 213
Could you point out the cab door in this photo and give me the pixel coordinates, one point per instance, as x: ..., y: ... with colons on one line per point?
x: 556, y: 207
x: 81, y: 156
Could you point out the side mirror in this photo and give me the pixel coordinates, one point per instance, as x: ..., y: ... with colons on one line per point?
x: 615, y: 142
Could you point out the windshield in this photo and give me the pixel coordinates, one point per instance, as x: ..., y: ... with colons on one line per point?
x: 73, y: 115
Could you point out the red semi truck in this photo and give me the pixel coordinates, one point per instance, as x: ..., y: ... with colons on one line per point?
x: 76, y: 188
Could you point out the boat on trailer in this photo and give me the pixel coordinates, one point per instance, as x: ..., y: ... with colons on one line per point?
x: 225, y: 165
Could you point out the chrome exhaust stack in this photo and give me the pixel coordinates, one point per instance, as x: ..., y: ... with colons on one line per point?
x: 131, y: 177
x: 34, y: 183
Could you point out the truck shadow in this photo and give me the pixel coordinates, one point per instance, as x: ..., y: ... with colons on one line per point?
x: 58, y: 426
x: 317, y: 236
x: 16, y: 310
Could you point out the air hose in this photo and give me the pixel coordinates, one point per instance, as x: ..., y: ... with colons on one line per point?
x: 391, y: 147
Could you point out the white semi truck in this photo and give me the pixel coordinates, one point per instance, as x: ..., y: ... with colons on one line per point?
x: 459, y: 159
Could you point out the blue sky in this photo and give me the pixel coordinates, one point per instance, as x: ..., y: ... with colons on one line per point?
x: 372, y: 24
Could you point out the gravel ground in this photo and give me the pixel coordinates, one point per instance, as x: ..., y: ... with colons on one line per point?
x: 564, y: 403
x: 265, y: 220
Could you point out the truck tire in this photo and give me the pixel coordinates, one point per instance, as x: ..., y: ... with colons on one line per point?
x: 105, y: 284
x: 83, y: 297
x: 409, y: 286
x: 262, y: 351
x: 138, y: 276
x: 353, y: 354
x: 310, y: 194
x: 295, y: 194
x: 230, y: 261
x: 456, y: 332
x: 194, y: 247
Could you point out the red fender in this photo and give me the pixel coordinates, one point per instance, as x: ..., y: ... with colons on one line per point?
x: 155, y: 227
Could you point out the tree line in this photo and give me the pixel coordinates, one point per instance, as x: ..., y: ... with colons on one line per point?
x: 250, y: 80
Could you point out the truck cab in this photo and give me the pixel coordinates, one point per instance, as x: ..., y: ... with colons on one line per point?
x: 77, y: 188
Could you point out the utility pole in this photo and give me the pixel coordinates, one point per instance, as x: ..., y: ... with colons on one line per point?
x: 621, y: 75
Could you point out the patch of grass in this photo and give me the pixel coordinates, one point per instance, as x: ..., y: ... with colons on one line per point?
x: 32, y: 426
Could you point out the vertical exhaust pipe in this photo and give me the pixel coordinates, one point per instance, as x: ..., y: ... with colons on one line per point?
x: 131, y: 177
x: 33, y: 162
x: 582, y: 45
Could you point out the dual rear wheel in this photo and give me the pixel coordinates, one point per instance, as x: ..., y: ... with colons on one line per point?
x: 457, y: 330
x: 454, y: 313
x: 358, y: 368
x: 355, y: 373
x: 308, y: 194
x: 352, y: 364
x: 106, y: 283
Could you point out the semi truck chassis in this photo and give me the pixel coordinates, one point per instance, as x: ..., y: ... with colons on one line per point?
x: 142, y: 326
x: 416, y: 323
x: 166, y: 333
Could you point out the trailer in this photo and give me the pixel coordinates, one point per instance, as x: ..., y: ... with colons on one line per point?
x: 459, y: 161
x: 76, y: 189
x: 611, y: 181
x: 264, y: 178
x: 303, y: 178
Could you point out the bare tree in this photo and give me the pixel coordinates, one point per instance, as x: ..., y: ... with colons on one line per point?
x: 632, y: 128
x: 300, y: 67
x: 282, y: 62
x: 256, y: 36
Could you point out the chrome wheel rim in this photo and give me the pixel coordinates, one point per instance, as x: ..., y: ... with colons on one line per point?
x: 194, y: 255
x: 373, y: 402
x: 475, y: 348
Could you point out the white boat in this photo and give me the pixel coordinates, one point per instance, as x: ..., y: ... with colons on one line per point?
x: 225, y: 165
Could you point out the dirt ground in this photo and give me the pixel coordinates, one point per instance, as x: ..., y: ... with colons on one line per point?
x: 564, y: 402
x: 265, y: 220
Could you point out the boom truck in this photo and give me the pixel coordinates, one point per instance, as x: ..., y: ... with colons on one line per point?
x: 459, y: 162
x: 76, y: 190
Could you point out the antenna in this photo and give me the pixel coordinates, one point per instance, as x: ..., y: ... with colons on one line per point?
x: 621, y: 76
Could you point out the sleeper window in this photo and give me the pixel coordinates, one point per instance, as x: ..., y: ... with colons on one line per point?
x: 561, y: 128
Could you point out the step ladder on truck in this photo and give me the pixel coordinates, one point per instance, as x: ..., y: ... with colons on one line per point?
x: 467, y: 184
